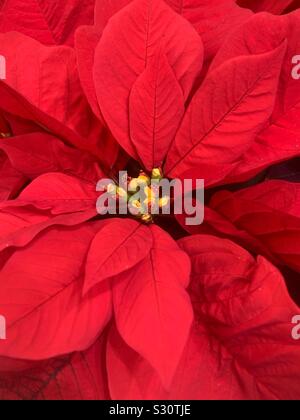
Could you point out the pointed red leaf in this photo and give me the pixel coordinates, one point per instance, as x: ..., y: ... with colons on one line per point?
x: 47, y: 89
x: 86, y: 41
x: 269, y: 212
x: 134, y: 34
x: 260, y: 34
x: 105, y: 9
x: 60, y: 193
x: 81, y: 376
x: 218, y: 225
x: 120, y: 245
x: 273, y: 145
x: 227, y: 112
x: 48, y: 22
x: 241, y: 344
x: 11, y: 180
x: 20, y: 224
x: 280, y: 140
x: 294, y: 5
x: 214, y: 20
x: 52, y: 199
x: 21, y: 109
x: 38, y: 153
x: 41, y: 297
x: 272, y: 6
x: 156, y: 108
x: 152, y: 308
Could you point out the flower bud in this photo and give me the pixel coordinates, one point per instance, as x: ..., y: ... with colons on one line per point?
x: 164, y: 201
x: 147, y: 218
x: 5, y: 135
x: 157, y: 173
x: 135, y: 183
x: 121, y: 193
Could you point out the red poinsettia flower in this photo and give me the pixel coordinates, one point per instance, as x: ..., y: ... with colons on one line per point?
x: 114, y: 306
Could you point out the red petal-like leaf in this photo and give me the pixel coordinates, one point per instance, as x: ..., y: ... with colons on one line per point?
x: 52, y: 199
x: 280, y: 140
x: 38, y: 153
x: 119, y: 246
x: 105, y: 9
x: 218, y: 225
x: 41, y: 297
x: 59, y: 193
x: 241, y: 344
x: 47, y: 80
x: 22, y: 110
x: 227, y: 112
x: 294, y: 5
x: 134, y: 34
x: 269, y: 212
x: 272, y: 6
x: 81, y: 376
x: 11, y: 180
x: 273, y: 145
x: 48, y: 22
x: 19, y: 225
x: 214, y: 20
x: 156, y: 108
x: 86, y: 41
x: 152, y: 309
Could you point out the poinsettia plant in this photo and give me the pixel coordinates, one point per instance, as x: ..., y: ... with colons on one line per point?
x: 142, y: 306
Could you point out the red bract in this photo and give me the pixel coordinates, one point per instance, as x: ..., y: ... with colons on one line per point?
x: 53, y: 295
x: 47, y: 89
x: 213, y: 20
x: 276, y: 7
x: 270, y: 213
x: 240, y: 346
x: 160, y: 332
x: 51, y: 99
x: 38, y: 153
x: 11, y: 180
x: 73, y: 377
x: 101, y: 307
x: 280, y: 138
x: 216, y: 125
x: 162, y: 30
x: 52, y: 23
